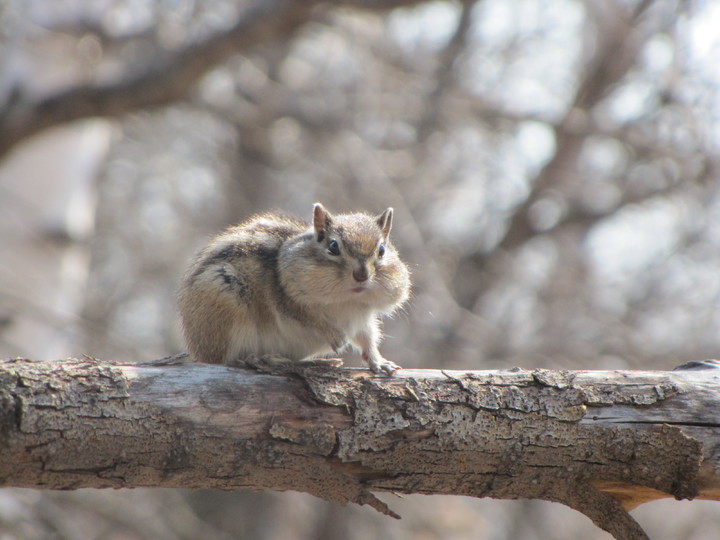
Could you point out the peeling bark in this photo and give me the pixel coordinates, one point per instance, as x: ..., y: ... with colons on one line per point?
x: 601, y: 442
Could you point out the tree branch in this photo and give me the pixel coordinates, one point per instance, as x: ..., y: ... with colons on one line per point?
x: 600, y: 442
x: 153, y: 84
x: 618, y: 41
x: 162, y: 81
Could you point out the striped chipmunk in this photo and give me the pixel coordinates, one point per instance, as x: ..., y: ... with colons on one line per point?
x: 280, y: 286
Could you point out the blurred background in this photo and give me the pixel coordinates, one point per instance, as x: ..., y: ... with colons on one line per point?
x: 553, y: 165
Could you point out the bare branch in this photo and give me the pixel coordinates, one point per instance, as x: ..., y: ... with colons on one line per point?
x: 162, y: 83
x: 618, y: 44
x: 156, y: 84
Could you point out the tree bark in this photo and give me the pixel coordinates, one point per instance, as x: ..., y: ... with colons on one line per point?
x: 601, y: 442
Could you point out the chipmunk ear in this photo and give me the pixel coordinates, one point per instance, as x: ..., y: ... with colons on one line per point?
x: 384, y: 221
x: 322, y: 220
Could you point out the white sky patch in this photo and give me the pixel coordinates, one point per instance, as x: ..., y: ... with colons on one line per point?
x: 704, y: 45
x: 703, y: 36
x: 634, y: 239
x: 631, y: 101
x: 429, y: 25
x: 537, y: 143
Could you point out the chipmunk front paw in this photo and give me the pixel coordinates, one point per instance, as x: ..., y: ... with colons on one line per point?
x: 381, y: 365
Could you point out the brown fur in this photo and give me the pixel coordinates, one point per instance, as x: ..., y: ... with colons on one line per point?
x: 273, y: 286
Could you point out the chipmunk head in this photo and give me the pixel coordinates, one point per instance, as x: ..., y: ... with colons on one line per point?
x: 356, y: 243
x: 345, y: 258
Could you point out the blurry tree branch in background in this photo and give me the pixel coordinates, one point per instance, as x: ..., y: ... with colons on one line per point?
x: 161, y: 82
x: 617, y: 42
x: 152, y: 85
x: 599, y: 442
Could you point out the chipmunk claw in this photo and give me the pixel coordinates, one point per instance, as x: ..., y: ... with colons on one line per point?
x: 381, y: 365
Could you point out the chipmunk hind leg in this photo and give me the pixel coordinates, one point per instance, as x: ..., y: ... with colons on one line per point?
x: 216, y: 324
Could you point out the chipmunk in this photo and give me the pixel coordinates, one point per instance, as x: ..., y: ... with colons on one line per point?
x: 279, y: 286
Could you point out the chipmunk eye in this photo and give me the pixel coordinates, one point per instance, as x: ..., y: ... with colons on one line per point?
x: 381, y: 250
x: 333, y: 248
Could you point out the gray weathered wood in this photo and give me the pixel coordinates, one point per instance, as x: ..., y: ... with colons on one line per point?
x: 601, y: 442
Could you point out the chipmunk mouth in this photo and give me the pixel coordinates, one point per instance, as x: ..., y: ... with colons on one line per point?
x: 359, y: 289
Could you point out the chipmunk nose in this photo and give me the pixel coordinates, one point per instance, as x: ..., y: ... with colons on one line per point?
x: 360, y: 274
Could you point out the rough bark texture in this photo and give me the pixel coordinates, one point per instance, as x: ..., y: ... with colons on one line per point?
x: 601, y: 442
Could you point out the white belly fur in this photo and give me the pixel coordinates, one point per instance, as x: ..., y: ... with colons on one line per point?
x: 291, y: 339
